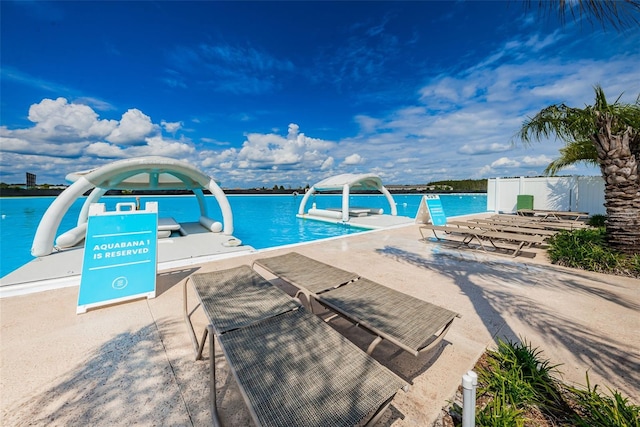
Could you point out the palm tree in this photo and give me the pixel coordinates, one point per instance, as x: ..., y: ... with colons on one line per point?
x: 606, y: 134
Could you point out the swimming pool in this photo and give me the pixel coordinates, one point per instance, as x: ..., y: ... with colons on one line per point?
x: 261, y: 221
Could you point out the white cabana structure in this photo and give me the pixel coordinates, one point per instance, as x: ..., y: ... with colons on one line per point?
x: 346, y: 183
x: 142, y: 173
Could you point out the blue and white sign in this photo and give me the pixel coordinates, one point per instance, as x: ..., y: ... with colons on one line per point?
x: 120, y: 255
x: 434, y: 207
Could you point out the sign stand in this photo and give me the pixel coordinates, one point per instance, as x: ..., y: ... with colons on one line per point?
x: 120, y: 255
x: 430, y: 211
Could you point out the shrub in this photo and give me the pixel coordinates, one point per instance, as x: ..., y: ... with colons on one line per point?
x: 587, y: 249
x: 517, y: 383
x: 518, y: 370
x: 515, y: 377
x: 500, y: 413
x: 595, y: 409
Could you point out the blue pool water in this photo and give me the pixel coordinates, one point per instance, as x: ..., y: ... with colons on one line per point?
x: 261, y: 221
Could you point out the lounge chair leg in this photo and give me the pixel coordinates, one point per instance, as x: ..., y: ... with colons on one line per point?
x: 201, y: 346
x: 437, y: 340
x: 517, y: 251
x: 187, y: 318
x: 212, y: 375
x: 373, y: 345
x: 378, y: 414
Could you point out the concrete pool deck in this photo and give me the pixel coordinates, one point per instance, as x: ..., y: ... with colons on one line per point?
x: 133, y: 363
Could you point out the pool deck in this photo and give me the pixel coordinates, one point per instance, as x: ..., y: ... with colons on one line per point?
x: 133, y: 363
x: 63, y: 269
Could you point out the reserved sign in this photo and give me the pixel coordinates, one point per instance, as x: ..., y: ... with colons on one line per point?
x: 120, y: 256
x: 436, y: 212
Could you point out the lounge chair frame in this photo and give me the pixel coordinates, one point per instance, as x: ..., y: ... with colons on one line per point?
x: 509, y: 228
x: 379, y: 310
x: 302, y: 342
x: 546, y: 215
x: 519, y: 241
x: 534, y: 222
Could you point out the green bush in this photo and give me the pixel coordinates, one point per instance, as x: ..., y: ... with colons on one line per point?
x: 518, y: 370
x: 598, y: 410
x: 499, y: 412
x: 586, y: 248
x: 516, y: 379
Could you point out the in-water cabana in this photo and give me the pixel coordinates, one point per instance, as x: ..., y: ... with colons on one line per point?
x: 346, y: 183
x: 58, y: 261
x: 142, y: 173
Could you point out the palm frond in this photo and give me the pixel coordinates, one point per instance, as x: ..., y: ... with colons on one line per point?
x: 618, y: 14
x: 575, y: 124
x: 559, y: 121
x: 575, y: 152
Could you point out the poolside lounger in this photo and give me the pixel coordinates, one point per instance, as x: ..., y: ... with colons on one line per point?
x: 497, y: 239
x: 414, y: 325
x: 520, y: 241
x: 468, y: 234
x: 554, y: 215
x: 292, y: 368
x: 529, y: 222
x: 545, y: 220
x: 309, y: 276
x: 508, y: 227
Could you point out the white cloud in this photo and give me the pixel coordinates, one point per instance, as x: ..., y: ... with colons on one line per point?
x: 367, y: 124
x: 354, y: 159
x: 327, y: 164
x: 171, y: 127
x: 296, y: 149
x: 485, y: 171
x: 105, y: 150
x: 540, y: 160
x: 133, y: 128
x: 74, y: 131
x: 483, y: 148
x: 505, y: 162
x: 59, y: 120
x: 293, y: 131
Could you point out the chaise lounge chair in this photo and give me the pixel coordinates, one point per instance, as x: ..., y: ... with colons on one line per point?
x: 512, y: 240
x: 546, y: 215
x: 538, y: 222
x: 414, y: 325
x: 502, y: 227
x: 292, y: 368
x: 434, y: 219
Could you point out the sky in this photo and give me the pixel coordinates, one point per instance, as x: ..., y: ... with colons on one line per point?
x: 258, y: 94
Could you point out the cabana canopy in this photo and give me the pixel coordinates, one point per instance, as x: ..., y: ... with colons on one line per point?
x: 346, y: 182
x: 141, y: 173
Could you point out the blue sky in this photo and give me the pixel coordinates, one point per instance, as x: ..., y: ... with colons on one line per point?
x: 287, y: 93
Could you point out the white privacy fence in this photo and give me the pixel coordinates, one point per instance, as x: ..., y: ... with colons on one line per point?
x: 570, y: 193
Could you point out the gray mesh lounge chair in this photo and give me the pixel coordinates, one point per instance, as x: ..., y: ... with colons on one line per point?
x: 309, y: 276
x: 414, y: 325
x: 291, y: 367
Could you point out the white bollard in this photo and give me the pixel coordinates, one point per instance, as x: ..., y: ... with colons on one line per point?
x: 468, y: 399
x: 474, y: 382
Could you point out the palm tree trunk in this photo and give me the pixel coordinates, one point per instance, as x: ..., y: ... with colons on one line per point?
x: 619, y: 159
